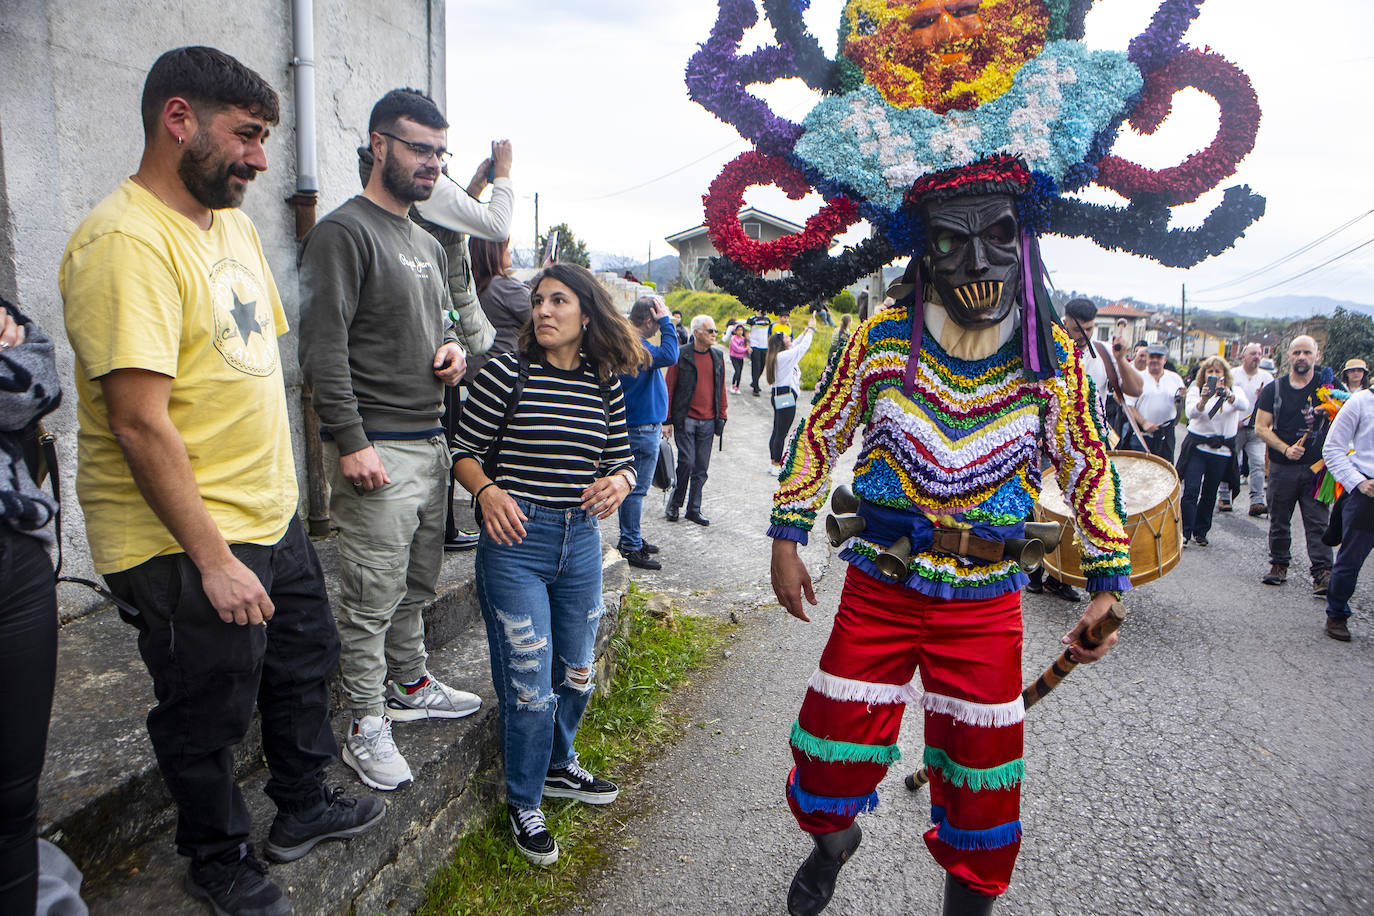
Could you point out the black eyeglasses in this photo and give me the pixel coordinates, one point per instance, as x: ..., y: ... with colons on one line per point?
x: 423, y: 150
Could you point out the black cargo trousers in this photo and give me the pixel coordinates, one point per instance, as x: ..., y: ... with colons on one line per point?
x: 209, y: 675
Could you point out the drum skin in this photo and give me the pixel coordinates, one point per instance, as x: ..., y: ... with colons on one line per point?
x: 1150, y: 495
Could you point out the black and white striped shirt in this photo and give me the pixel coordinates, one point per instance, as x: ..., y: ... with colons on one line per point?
x: 557, y: 442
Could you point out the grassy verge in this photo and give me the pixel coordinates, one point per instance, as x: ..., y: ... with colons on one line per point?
x: 723, y: 307
x: 653, y: 656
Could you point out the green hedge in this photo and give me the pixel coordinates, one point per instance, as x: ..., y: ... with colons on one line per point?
x: 722, y: 307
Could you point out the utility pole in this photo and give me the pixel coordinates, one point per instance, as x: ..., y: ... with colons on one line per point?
x: 649, y: 264
x: 1182, y: 322
x: 536, y: 229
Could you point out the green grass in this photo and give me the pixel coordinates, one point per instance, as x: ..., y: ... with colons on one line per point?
x: 653, y: 656
x: 722, y: 307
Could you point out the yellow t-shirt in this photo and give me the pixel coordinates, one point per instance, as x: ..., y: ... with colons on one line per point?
x: 145, y: 288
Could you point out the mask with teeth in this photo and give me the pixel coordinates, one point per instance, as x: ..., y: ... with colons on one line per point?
x: 973, y: 257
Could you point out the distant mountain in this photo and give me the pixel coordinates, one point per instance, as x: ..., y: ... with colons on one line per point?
x: 664, y: 270
x: 1296, y: 307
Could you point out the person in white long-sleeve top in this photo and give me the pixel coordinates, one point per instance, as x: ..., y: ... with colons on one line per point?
x: 1214, y: 409
x: 1353, y: 428
x: 782, y: 372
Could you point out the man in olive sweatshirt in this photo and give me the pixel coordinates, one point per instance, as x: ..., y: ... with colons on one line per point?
x: 377, y: 352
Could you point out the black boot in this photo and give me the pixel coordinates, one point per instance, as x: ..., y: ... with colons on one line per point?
x: 961, y: 901
x: 814, y: 882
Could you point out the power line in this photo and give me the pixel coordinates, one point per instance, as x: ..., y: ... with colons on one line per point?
x: 733, y: 143
x: 1298, y: 276
x: 1288, y: 257
x: 736, y: 142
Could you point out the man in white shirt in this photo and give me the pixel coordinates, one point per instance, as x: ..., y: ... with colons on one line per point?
x: 1353, y: 427
x: 1249, y: 378
x: 1156, y: 410
x: 1079, y: 315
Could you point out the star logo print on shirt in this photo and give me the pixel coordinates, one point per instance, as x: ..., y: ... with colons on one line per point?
x: 244, y: 324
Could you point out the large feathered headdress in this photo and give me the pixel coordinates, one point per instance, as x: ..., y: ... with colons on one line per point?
x: 927, y: 96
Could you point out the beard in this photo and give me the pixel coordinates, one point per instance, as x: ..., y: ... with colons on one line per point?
x: 207, y: 177
x: 403, y: 185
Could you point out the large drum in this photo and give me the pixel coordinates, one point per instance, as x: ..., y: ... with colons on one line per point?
x: 1150, y: 496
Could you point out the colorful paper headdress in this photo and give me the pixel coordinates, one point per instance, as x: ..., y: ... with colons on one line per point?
x: 930, y: 97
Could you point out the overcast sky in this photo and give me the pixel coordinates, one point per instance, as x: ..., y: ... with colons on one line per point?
x: 591, y: 94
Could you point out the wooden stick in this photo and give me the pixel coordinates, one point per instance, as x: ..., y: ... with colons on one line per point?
x: 1051, y: 676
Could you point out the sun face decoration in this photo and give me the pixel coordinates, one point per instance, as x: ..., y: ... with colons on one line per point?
x: 941, y: 54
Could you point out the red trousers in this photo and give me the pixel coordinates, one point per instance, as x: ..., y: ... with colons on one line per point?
x: 969, y: 656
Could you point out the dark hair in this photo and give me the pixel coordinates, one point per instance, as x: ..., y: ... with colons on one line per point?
x: 677, y: 311
x: 777, y: 342
x: 210, y: 81
x: 411, y: 104
x: 642, y: 309
x: 1081, y: 310
x: 488, y: 260
x: 609, y: 342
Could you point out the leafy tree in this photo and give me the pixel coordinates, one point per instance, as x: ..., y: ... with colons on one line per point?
x: 1348, y: 334
x: 571, y: 249
x: 844, y: 303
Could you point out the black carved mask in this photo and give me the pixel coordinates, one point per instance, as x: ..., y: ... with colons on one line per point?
x: 973, y: 257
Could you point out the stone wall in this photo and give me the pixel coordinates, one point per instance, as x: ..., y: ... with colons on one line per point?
x: 72, y: 73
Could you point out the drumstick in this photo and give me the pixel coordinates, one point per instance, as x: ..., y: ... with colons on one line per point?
x: 1051, y: 676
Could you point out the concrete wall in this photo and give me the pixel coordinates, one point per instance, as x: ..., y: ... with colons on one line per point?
x: 72, y: 72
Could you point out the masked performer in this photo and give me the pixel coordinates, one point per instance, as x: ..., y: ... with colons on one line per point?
x: 957, y: 129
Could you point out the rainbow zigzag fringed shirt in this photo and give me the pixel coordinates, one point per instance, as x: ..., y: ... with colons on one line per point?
x: 962, y: 450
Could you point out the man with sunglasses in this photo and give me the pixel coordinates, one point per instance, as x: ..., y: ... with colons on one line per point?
x: 377, y: 353
x: 696, y: 415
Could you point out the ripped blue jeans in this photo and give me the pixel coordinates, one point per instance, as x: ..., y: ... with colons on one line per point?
x: 541, y: 600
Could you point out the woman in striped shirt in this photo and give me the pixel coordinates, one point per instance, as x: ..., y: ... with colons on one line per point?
x: 542, y: 445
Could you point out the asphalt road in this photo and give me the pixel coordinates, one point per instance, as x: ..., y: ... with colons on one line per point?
x: 1218, y: 761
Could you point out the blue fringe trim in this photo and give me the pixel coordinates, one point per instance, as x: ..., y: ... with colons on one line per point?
x: 938, y: 588
x: 788, y: 533
x: 969, y: 840
x: 849, y: 807
x: 1109, y: 584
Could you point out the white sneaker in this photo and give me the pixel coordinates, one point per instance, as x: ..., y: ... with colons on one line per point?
x: 431, y: 700
x: 372, y: 754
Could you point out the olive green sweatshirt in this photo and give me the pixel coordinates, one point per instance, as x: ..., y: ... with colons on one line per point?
x: 373, y: 298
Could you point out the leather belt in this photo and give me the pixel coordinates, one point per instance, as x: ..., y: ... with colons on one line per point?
x: 964, y: 543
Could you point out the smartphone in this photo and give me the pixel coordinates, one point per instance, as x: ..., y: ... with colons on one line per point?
x: 1211, y: 384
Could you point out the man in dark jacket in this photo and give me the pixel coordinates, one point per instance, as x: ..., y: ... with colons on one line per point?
x: 696, y: 415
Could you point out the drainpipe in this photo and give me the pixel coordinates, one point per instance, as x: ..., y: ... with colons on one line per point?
x: 304, y: 201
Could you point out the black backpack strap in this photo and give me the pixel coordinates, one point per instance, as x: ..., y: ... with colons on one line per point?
x: 46, y: 468
x: 490, y: 462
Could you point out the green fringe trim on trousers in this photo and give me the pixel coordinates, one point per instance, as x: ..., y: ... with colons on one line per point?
x: 1004, y: 777
x: 842, y: 751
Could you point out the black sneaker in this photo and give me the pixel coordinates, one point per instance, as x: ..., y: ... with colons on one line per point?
x: 670, y: 513
x: 1062, y: 589
x: 293, y: 835
x: 239, y: 888
x: 650, y: 549
x: 532, y: 837
x: 572, y: 781
x: 640, y: 558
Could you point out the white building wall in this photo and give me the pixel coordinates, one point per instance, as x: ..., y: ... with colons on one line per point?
x: 71, y: 75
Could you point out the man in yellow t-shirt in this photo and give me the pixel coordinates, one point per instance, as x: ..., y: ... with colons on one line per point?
x: 186, y: 478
